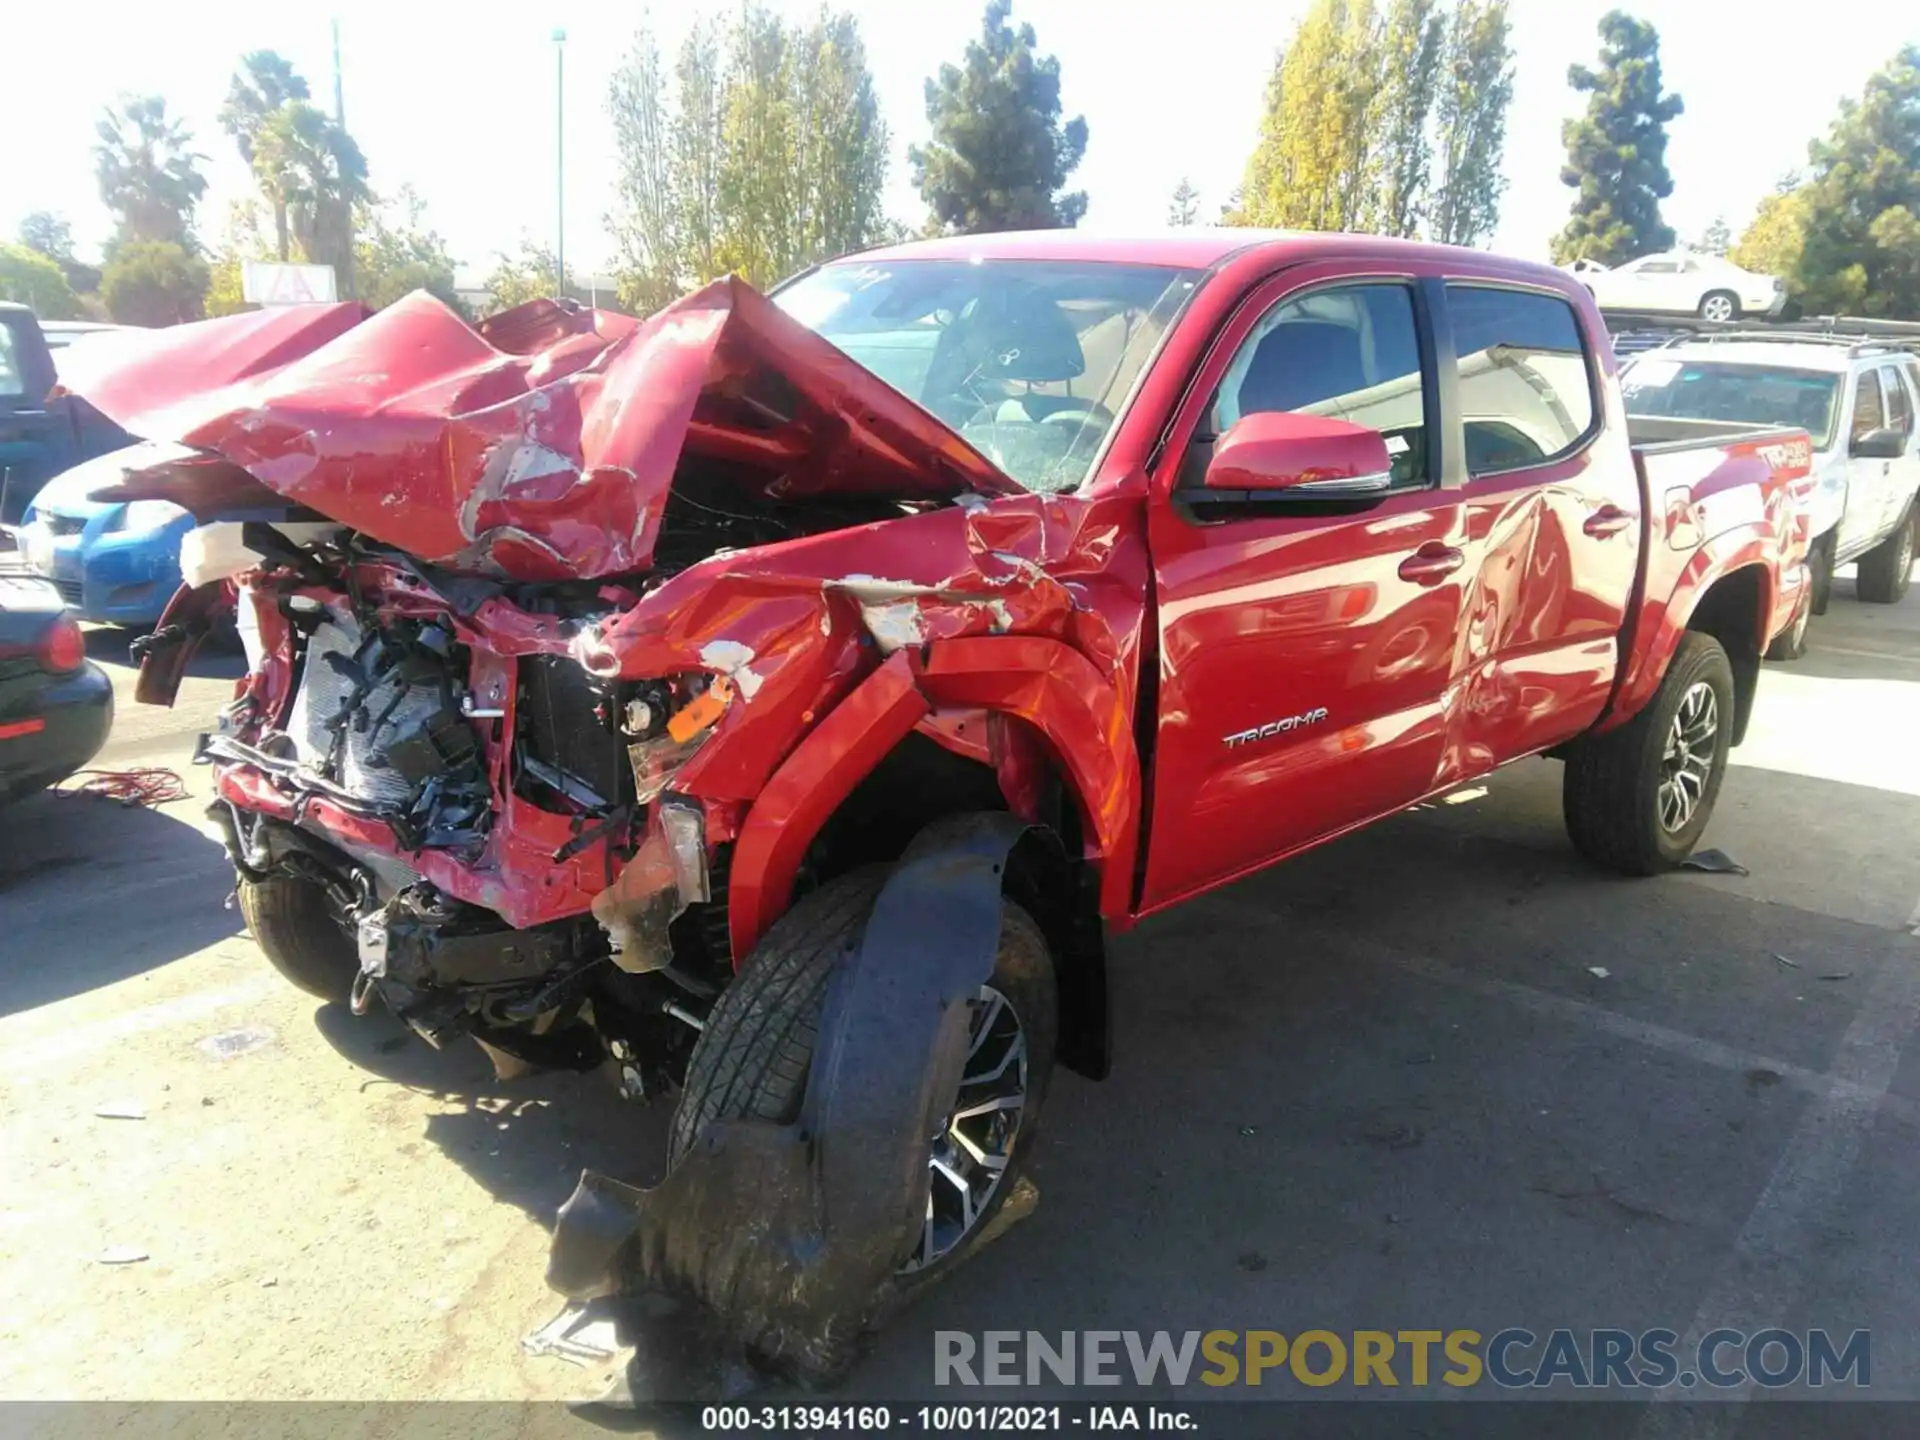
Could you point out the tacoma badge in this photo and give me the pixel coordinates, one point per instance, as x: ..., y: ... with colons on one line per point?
x: 1275, y: 727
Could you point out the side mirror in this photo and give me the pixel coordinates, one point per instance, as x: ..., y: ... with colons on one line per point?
x: 1883, y: 444
x: 1312, y: 456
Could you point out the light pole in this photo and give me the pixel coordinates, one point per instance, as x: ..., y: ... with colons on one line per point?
x: 560, y: 160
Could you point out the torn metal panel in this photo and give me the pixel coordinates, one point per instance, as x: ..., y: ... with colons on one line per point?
x: 791, y: 1237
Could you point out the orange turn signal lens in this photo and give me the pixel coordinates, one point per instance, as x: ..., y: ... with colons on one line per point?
x: 701, y: 712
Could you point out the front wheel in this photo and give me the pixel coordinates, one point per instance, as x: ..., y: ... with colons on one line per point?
x: 755, y: 1052
x: 1820, y: 563
x: 1720, y: 305
x: 1637, y: 799
x: 293, y: 923
x: 1885, y: 570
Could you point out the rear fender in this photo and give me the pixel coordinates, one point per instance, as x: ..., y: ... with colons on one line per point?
x: 1744, y: 561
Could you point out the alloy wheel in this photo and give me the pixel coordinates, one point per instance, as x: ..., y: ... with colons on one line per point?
x: 974, y: 1147
x: 1716, y: 307
x: 1687, y: 762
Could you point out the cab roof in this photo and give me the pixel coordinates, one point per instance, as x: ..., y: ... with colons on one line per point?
x: 1190, y: 247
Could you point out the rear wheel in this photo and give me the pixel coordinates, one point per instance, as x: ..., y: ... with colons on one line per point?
x: 755, y: 1052
x: 1885, y: 569
x: 1791, y: 643
x: 1637, y: 799
x: 293, y: 923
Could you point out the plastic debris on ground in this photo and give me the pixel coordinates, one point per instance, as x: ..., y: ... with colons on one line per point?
x: 1714, y: 862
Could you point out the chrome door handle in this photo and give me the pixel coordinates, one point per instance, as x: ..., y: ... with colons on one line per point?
x: 1608, y: 520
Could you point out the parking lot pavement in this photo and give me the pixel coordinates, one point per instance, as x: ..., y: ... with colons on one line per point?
x: 1437, y: 1075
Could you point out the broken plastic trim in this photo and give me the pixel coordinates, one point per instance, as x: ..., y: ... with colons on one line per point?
x: 666, y: 875
x: 790, y: 1237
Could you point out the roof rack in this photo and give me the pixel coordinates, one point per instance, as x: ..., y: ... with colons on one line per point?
x: 1635, y: 332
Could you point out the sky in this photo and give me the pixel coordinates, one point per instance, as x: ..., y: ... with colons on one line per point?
x: 463, y: 101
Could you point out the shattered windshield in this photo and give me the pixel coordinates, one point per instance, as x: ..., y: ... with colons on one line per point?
x: 1028, y: 360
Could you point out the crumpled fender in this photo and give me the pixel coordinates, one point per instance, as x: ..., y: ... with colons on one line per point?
x: 789, y: 1237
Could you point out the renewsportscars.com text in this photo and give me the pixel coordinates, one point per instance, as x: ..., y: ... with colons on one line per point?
x: 1511, y: 1359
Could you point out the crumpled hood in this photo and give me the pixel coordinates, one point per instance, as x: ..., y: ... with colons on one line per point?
x: 538, y: 445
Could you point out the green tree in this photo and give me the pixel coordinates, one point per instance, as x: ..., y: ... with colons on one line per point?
x: 1860, y: 241
x: 264, y: 84
x: 525, y: 275
x: 149, y: 174
x: 28, y: 277
x: 396, y: 253
x: 759, y: 149
x: 1310, y: 167
x: 154, y: 282
x: 645, y: 222
x: 1617, y: 151
x: 841, y: 169
x: 999, y: 155
x: 311, y: 168
x: 766, y: 153
x: 1476, y: 86
x: 1775, y: 237
x: 48, y: 233
x: 1184, y: 208
x: 1400, y: 156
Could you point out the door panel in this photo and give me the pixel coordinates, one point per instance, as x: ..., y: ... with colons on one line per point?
x: 1869, y: 482
x: 1305, y: 658
x: 1903, y: 475
x: 1553, y: 526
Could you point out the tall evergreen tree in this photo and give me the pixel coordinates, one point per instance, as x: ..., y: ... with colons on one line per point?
x: 1860, y: 245
x: 1617, y: 151
x: 1476, y: 87
x: 999, y: 156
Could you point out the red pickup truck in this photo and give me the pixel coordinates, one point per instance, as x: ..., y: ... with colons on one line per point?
x: 668, y: 691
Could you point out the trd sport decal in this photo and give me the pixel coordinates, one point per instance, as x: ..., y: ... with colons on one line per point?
x: 1275, y: 727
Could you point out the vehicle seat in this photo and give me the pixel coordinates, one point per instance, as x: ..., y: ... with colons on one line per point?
x: 1302, y: 363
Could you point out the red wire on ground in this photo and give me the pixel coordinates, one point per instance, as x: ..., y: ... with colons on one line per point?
x: 151, y: 785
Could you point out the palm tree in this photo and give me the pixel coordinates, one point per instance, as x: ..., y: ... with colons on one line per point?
x: 311, y: 170
x: 263, y: 85
x: 149, y: 175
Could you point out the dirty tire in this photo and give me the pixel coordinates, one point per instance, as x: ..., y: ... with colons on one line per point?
x: 753, y: 1056
x: 1884, y: 570
x: 1820, y: 561
x: 1610, y: 794
x: 293, y: 924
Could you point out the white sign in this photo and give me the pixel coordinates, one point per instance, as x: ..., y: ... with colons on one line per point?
x: 267, y: 282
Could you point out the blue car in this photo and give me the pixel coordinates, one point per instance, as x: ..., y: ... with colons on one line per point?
x: 117, y: 563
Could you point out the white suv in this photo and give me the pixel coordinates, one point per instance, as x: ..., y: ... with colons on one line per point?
x: 1858, y: 400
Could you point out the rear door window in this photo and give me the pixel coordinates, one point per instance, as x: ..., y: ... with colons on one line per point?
x: 1899, y: 406
x: 1525, y: 384
x: 1869, y: 408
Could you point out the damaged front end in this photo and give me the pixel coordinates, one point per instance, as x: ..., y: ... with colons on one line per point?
x: 565, y: 632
